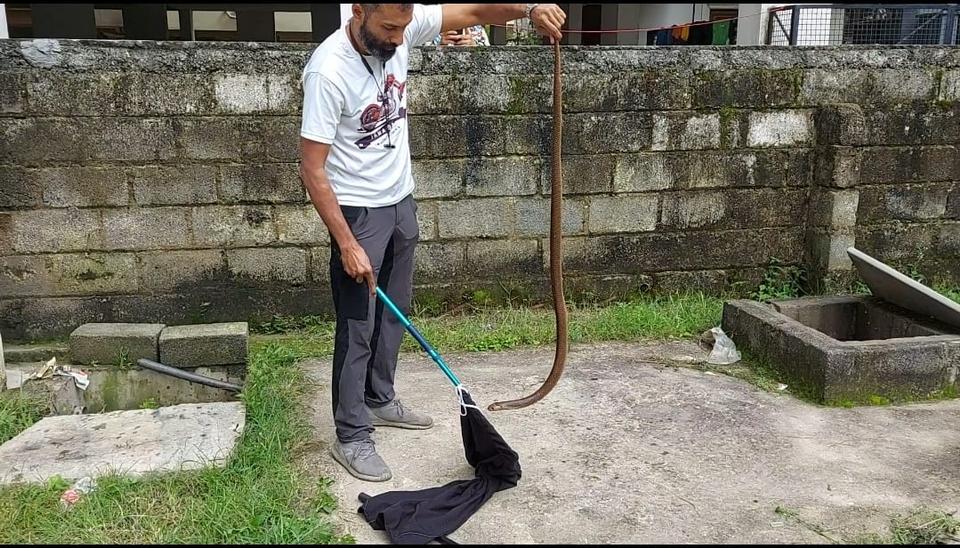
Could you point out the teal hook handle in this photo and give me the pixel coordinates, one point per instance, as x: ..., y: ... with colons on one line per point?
x: 419, y: 338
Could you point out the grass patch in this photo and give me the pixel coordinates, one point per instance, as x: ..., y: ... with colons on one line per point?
x: 921, y: 526
x: 18, y: 412
x: 667, y: 316
x: 258, y: 497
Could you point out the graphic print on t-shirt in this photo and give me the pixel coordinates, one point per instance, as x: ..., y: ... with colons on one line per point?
x: 377, y: 119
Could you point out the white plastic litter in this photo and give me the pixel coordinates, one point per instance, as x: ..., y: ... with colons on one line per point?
x: 724, y: 350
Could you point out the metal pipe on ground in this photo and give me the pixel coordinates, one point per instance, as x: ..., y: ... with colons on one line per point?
x: 186, y: 375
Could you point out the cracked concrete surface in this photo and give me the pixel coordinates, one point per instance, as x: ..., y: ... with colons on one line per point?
x: 631, y: 448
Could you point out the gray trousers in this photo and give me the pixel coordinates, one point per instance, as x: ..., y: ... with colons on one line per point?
x: 367, y: 336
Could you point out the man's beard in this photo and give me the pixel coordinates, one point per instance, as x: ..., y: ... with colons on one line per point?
x: 375, y: 47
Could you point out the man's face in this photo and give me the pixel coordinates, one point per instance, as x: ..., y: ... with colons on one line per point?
x: 381, y: 30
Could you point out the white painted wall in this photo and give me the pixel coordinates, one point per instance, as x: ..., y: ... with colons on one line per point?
x: 664, y: 15
x: 752, y: 27
x: 4, y: 33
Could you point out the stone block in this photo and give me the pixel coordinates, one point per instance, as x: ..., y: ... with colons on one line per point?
x: 505, y: 257
x: 56, y: 230
x: 953, y: 207
x: 13, y: 93
x: 587, y: 174
x: 438, y: 178
x: 210, y: 138
x: 188, y: 346
x: 741, y: 88
x: 53, y: 316
x: 133, y: 139
x: 95, y: 273
x: 909, y: 164
x: 841, y: 124
x: 20, y: 188
x: 427, y: 213
x: 595, y: 93
x: 903, y: 85
x: 269, y: 138
x: 253, y: 93
x: 835, y: 209
x: 85, y: 140
x: 159, y: 94
x: 715, y: 169
x: 266, y: 183
x: 320, y: 266
x: 507, y: 94
x: 170, y: 270
x: 444, y: 136
x: 300, y: 225
x: 780, y: 128
x: 439, y: 262
x: 35, y: 353
x: 146, y: 228
x: 838, y: 166
x: 262, y: 266
x: 713, y: 281
x: 950, y: 86
x: 433, y: 94
x: 689, y: 250
x: 175, y: 185
x: 660, y: 89
x: 777, y: 167
x: 110, y: 343
x: 643, y: 172
x: 88, y: 93
x: 827, y: 86
x: 624, y: 213
x: 524, y: 135
x: 511, y: 176
x: 590, y: 133
x: 916, y: 204
x: 233, y: 226
x: 828, y: 249
x: 913, y: 126
x: 477, y: 218
x: 533, y: 216
x: 84, y: 187
x: 685, y: 131
x: 896, y: 243
x: 697, y: 210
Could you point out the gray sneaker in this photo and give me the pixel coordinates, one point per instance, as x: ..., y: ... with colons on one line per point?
x: 360, y: 458
x: 395, y: 414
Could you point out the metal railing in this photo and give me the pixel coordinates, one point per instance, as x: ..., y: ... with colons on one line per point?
x: 836, y: 24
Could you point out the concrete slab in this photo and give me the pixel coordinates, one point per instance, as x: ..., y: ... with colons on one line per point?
x: 204, y: 344
x: 180, y: 437
x: 104, y: 343
x: 35, y: 353
x: 898, y: 288
x: 630, y: 449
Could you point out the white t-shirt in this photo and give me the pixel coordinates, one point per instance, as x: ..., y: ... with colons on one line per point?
x: 342, y: 107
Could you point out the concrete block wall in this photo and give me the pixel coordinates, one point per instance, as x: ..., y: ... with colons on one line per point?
x: 157, y: 182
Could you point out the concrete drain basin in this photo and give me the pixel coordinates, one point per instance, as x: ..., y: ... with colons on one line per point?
x: 114, y: 357
x: 112, y: 409
x: 848, y: 349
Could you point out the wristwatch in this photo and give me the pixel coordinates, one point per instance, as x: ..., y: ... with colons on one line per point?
x: 529, y: 9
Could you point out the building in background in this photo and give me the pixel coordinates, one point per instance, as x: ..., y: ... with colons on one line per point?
x: 587, y: 24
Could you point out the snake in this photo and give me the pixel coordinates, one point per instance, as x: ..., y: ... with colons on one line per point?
x: 556, y: 253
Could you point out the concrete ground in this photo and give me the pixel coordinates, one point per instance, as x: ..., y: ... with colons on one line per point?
x: 629, y: 448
